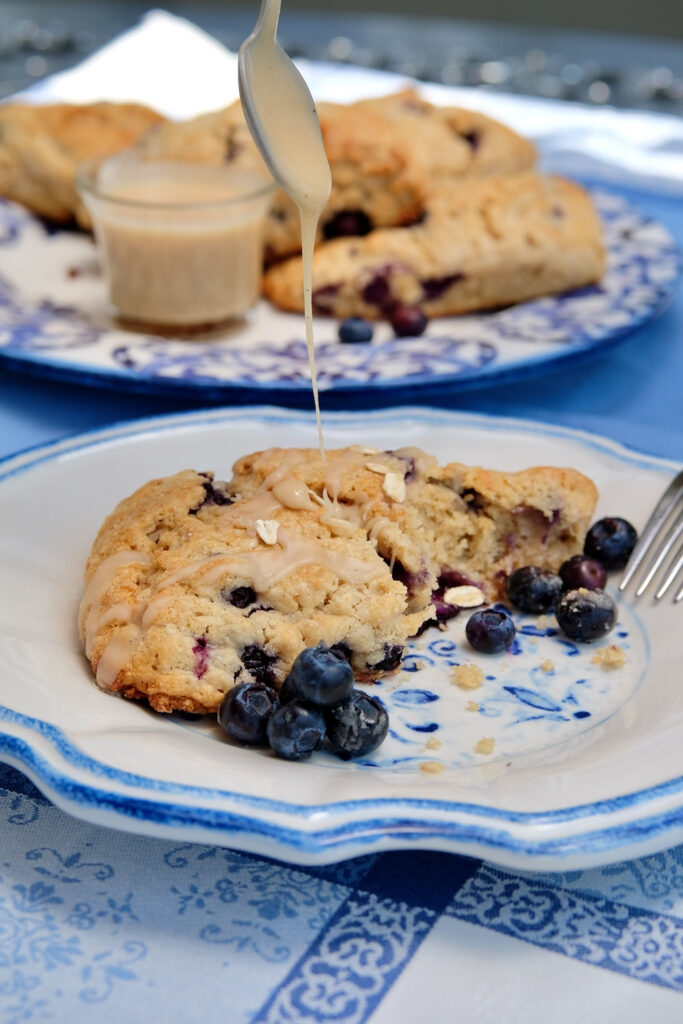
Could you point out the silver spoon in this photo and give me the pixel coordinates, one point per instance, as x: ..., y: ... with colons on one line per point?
x: 280, y: 113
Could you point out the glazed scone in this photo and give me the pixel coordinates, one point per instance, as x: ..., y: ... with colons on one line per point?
x: 438, y: 526
x: 452, y: 141
x: 483, y: 244
x: 386, y: 157
x: 42, y: 146
x: 187, y: 594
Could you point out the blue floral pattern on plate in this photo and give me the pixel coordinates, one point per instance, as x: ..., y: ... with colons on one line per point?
x: 544, y: 691
x: 60, y: 325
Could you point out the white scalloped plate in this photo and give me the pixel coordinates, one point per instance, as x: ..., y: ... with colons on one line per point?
x: 587, y: 763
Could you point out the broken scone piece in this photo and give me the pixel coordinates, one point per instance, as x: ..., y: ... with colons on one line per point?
x: 187, y: 594
x: 448, y: 527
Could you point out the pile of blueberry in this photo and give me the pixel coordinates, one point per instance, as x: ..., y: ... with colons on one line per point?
x: 317, y: 702
x: 584, y: 611
x: 407, y: 322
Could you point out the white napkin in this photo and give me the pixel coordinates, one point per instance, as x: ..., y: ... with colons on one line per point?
x: 169, y: 64
x: 164, y: 62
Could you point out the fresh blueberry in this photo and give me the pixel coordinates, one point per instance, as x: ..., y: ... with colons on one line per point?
x: 408, y: 321
x: 611, y: 541
x: 582, y: 571
x: 354, y: 331
x: 357, y: 726
x: 319, y: 675
x: 533, y: 589
x: 295, y: 730
x: 586, y: 615
x: 490, y: 631
x: 245, y: 712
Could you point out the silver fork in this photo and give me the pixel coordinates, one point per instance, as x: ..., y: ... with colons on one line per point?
x: 662, y: 531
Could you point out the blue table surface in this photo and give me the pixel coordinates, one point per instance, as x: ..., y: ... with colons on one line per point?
x: 632, y: 393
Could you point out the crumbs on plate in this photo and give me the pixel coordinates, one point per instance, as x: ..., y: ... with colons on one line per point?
x: 485, y: 745
x: 467, y: 677
x: 612, y: 656
x: 432, y: 767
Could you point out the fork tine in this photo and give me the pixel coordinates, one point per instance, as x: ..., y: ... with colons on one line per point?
x: 669, y: 541
x: 659, y: 515
x: 675, y: 569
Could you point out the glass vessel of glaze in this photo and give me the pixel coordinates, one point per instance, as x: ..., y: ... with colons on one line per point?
x: 181, y: 244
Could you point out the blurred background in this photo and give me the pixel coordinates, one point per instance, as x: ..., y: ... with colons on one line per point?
x: 619, y: 52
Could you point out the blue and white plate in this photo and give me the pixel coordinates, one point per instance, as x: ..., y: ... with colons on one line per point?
x: 53, y: 321
x: 554, y: 762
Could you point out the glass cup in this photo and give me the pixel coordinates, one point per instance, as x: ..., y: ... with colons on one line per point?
x: 182, y: 244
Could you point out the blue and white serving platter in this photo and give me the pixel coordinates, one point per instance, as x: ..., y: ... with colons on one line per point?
x: 54, y: 322
x: 586, y: 765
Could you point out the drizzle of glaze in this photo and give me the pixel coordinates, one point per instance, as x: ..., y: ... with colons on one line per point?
x: 90, y: 615
x: 266, y: 567
x: 283, y: 122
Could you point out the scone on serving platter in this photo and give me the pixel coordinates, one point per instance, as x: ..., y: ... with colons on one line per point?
x: 483, y: 244
x: 42, y: 146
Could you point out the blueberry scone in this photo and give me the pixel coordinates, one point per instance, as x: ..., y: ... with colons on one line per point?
x: 42, y: 146
x: 438, y: 527
x: 483, y: 244
x: 188, y: 592
x: 193, y: 585
x: 386, y: 156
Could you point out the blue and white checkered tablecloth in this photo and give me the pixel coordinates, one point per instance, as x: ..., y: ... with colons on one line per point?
x: 97, y: 925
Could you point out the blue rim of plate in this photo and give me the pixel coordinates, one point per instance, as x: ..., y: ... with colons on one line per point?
x: 590, y: 344
x: 393, y: 818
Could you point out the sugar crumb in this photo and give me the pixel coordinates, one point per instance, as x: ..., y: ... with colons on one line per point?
x: 467, y: 677
x: 431, y: 767
x: 485, y: 745
x: 472, y: 705
x: 542, y: 622
x: 534, y: 641
x: 612, y: 656
x: 433, y: 743
x: 548, y: 665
